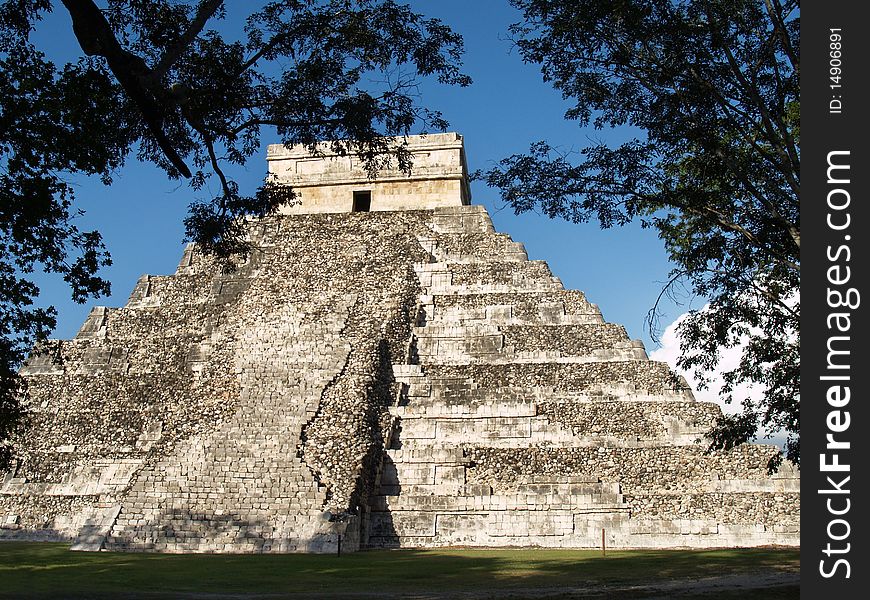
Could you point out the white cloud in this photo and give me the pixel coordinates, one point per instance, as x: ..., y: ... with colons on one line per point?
x: 729, y: 359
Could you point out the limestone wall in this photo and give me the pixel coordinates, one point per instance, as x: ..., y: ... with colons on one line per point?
x: 645, y: 420
x: 655, y: 469
x: 541, y: 307
x: 325, y: 180
x: 590, y: 378
x: 385, y: 196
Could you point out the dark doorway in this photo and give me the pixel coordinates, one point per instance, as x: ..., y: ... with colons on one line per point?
x: 362, y: 201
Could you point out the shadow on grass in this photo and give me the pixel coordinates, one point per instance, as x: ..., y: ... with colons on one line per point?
x: 51, y: 570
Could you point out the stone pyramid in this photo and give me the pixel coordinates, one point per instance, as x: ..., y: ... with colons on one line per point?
x: 384, y: 370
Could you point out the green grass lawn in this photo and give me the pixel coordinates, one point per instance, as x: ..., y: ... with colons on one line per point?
x: 43, y: 570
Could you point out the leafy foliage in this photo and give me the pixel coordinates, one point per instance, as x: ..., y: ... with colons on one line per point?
x: 155, y: 80
x: 711, y: 88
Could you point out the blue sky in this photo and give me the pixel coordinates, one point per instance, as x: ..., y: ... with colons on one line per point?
x: 507, y: 108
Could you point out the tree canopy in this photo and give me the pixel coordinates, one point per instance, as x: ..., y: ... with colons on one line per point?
x: 162, y: 79
x: 710, y: 91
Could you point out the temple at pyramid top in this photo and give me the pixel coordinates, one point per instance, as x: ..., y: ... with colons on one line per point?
x: 327, y: 182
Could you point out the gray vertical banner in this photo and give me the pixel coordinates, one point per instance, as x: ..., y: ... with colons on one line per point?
x: 835, y: 425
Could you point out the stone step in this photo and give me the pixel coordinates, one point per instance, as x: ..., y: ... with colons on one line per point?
x: 501, y: 315
x: 427, y: 503
x: 554, y: 440
x: 514, y: 307
x: 422, y: 391
x: 456, y: 431
x: 436, y: 330
x: 415, y: 479
x: 445, y: 288
x: 461, y: 219
x: 582, y: 338
x: 481, y: 409
x: 444, y: 454
x: 491, y: 352
x: 610, y: 377
x: 474, y: 247
x: 486, y: 277
x: 621, y: 429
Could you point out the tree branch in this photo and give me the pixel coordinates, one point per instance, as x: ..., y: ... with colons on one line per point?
x: 749, y: 139
x: 256, y: 122
x: 770, y: 123
x: 653, y: 316
x: 774, y: 11
x: 96, y: 38
x: 206, y: 9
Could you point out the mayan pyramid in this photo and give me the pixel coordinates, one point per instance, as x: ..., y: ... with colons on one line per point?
x: 383, y: 369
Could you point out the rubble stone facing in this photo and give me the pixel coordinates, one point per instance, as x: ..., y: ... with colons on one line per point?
x: 40, y: 517
x: 569, y: 340
x: 524, y: 306
x: 345, y: 439
x: 474, y: 247
x: 399, y: 378
x: 467, y: 274
x: 639, y: 470
x: 653, y: 377
x: 775, y: 510
x: 648, y: 420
